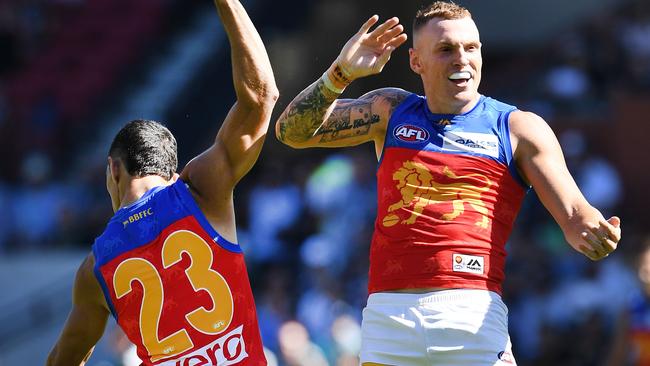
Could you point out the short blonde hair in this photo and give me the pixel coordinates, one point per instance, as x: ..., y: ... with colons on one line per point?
x: 447, y: 10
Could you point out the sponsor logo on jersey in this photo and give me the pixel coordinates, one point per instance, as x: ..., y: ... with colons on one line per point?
x: 138, y: 216
x: 481, y: 143
x: 468, y: 263
x: 411, y: 133
x: 227, y: 350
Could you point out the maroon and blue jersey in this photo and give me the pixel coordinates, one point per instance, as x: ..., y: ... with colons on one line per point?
x: 448, y: 193
x: 177, y: 288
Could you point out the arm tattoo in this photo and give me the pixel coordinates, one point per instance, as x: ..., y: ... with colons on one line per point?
x: 395, y: 97
x: 305, y: 114
x: 351, y: 118
x: 356, y: 116
x: 303, y: 119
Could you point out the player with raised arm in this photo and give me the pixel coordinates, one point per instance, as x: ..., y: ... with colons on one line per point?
x: 167, y: 266
x: 454, y: 166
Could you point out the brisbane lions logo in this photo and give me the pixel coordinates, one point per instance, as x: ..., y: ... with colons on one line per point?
x: 419, y: 190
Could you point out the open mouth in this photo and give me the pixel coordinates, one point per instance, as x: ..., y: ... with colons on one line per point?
x: 460, y: 78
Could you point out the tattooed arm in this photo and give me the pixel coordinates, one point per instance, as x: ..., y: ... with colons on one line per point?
x: 317, y: 118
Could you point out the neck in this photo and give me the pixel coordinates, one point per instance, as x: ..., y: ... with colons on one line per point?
x: 135, y: 188
x: 438, y: 106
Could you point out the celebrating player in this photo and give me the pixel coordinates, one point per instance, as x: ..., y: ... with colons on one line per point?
x: 167, y: 267
x: 454, y: 166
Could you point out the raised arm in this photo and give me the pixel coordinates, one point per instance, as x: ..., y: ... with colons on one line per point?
x: 540, y: 160
x: 214, y: 173
x: 86, y: 322
x: 316, y: 118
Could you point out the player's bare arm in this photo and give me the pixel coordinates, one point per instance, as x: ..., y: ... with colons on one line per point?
x: 242, y: 133
x: 86, y: 321
x: 317, y: 118
x: 541, y: 162
x: 244, y: 129
x: 213, y: 174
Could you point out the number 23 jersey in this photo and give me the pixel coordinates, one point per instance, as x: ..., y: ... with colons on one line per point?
x: 177, y: 288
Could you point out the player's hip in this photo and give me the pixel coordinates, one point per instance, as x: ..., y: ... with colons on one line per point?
x: 441, y: 327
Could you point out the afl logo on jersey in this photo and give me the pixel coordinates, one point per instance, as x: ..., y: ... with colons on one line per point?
x: 411, y: 133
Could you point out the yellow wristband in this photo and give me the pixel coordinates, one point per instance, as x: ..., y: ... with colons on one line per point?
x: 330, y: 85
x: 340, y: 75
x: 336, y: 78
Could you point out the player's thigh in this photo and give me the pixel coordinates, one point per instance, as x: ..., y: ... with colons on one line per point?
x: 472, y: 330
x: 391, y: 335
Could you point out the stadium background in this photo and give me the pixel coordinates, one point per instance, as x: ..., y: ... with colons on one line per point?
x: 73, y: 71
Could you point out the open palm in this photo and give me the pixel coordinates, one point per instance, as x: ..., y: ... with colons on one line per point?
x: 366, y: 52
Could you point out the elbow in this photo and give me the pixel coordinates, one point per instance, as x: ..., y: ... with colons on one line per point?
x: 281, y: 135
x: 262, y: 98
x: 274, y: 93
x: 267, y: 96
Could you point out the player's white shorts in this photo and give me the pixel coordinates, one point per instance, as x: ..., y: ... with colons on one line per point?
x: 448, y: 327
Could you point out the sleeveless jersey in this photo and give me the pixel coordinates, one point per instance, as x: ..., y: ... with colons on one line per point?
x: 448, y: 194
x: 639, y: 330
x: 177, y: 288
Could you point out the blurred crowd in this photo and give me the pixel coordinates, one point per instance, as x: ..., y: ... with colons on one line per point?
x: 306, y: 219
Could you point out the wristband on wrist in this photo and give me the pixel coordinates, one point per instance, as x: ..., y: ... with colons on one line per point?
x: 330, y: 85
x: 341, y: 75
x: 336, y: 79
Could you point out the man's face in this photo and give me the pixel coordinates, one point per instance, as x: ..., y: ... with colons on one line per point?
x: 447, y: 56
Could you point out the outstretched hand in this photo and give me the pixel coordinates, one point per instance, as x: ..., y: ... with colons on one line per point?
x: 366, y: 53
x: 601, y: 240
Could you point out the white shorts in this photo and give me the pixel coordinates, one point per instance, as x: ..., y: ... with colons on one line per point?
x: 448, y: 327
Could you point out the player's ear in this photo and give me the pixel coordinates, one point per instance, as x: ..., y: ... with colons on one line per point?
x: 114, y: 170
x: 112, y: 178
x: 414, y: 61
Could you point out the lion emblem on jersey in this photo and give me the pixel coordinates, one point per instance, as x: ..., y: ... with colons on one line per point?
x: 419, y: 190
